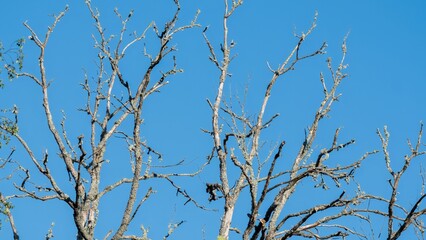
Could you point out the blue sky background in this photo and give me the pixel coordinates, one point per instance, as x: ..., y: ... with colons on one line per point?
x: 386, y: 84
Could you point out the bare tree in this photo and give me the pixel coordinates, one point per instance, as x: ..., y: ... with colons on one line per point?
x: 237, y: 142
x: 245, y: 169
x: 107, y: 112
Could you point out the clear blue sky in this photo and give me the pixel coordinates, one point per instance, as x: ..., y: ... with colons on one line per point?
x: 387, y: 68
